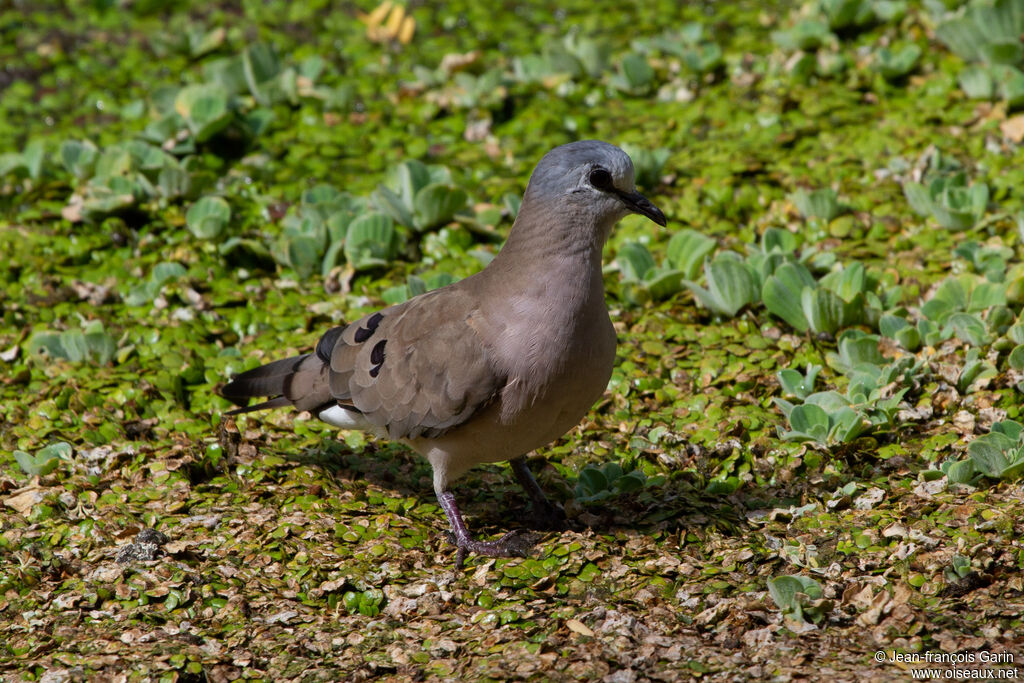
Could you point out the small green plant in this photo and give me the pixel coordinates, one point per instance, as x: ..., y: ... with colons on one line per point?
x: 989, y: 35
x: 988, y: 260
x: 974, y: 371
x: 635, y: 75
x: 796, y: 385
x: 91, y: 343
x: 959, y: 567
x: 902, y: 330
x: 162, y: 273
x: 894, y: 64
x: 367, y: 603
x: 371, y: 241
x: 207, y: 218
x: 953, y: 203
x: 1000, y: 453
x: 45, y: 460
x: 645, y: 280
x: 731, y: 285
x: 419, y: 197
x: 609, y: 480
x: 955, y: 307
x: 870, y: 403
x: 806, y: 34
x: 836, y: 301
x: 799, y: 598
x: 697, y: 50
x: 822, y: 204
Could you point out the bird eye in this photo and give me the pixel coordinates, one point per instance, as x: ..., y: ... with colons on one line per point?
x: 601, y: 179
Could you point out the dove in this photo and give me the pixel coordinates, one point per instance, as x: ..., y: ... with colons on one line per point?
x: 491, y: 367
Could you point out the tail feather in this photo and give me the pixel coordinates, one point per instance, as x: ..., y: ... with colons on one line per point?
x: 301, y: 381
x: 279, y: 402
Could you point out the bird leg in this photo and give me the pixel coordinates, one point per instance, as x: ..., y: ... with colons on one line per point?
x: 547, y: 514
x: 512, y: 544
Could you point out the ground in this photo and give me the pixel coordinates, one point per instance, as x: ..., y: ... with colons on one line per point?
x: 190, y: 189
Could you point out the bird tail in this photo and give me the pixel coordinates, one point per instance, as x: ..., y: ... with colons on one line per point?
x: 300, y: 381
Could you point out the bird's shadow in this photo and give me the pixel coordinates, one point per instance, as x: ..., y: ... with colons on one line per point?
x: 490, y: 497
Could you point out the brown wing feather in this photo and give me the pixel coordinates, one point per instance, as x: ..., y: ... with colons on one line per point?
x: 418, y: 368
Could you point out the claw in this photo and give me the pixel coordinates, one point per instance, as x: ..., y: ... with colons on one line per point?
x: 512, y: 544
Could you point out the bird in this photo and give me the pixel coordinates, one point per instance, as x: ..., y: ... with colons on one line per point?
x: 491, y: 367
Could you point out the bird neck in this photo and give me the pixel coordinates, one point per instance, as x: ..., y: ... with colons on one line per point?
x: 537, y: 243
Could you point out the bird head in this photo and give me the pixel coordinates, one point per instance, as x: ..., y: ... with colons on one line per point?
x: 594, y: 175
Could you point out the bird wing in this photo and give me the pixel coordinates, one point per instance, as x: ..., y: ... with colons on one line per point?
x: 417, y: 369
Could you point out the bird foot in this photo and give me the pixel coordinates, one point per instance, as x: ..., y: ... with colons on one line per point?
x: 513, y: 544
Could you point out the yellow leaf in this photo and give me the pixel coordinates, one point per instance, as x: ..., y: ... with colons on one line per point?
x: 408, y: 28
x: 394, y: 21
x: 578, y: 626
x: 1013, y: 128
x: 376, y: 17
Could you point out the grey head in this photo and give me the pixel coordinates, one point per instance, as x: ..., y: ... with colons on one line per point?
x: 591, y: 176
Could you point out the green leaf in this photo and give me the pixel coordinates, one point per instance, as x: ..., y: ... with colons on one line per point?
x: 961, y: 35
x: 905, y: 334
x: 166, y: 270
x: 856, y: 349
x: 371, y: 241
x: 1010, y: 428
x: 783, y: 293
x: 807, y: 35
x: 304, y: 254
x: 918, y: 198
x: 827, y: 312
x: 977, y: 82
x: 822, y: 203
x: 635, y: 75
x: 393, y: 205
x: 260, y: 67
x: 78, y: 157
x: 207, y: 218
x: 809, y: 423
x: 995, y: 455
x: 969, y: 328
x: 846, y: 13
x: 731, y: 285
x: 663, y: 284
x: 686, y: 251
x: 1010, y: 81
x: 38, y: 465
x: 847, y: 282
x: 204, y: 108
x: 1016, y: 358
x: 896, y: 64
x: 45, y: 461
x: 961, y: 471
x: 785, y: 592
x: 408, y: 178
x: 436, y: 204
x: 846, y: 425
x: 647, y: 164
x: 634, y: 261
x: 795, y: 384
x: 777, y: 240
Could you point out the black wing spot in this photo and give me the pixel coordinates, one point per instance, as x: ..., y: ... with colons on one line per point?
x: 325, y: 346
x: 377, y: 357
x: 365, y: 332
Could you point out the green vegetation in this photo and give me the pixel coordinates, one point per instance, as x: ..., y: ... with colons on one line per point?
x: 811, y: 449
